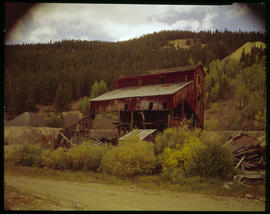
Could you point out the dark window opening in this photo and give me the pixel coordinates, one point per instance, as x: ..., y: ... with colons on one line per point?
x: 161, y: 79
x: 140, y: 82
x: 93, y: 114
x: 150, y: 106
x: 164, y: 105
x: 126, y: 107
x: 199, y: 79
x: 199, y: 97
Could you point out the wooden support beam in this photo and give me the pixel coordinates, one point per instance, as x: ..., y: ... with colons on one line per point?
x: 132, y: 120
x: 64, y: 137
x: 237, y: 165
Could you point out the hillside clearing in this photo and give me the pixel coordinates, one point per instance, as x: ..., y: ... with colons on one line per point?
x: 184, y: 43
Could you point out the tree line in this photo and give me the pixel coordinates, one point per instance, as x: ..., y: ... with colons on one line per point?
x: 62, y: 71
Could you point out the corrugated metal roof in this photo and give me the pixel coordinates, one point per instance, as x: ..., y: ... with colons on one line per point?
x: 141, y: 133
x: 142, y: 91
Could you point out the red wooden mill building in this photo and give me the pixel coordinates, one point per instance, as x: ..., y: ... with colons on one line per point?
x: 142, y: 105
x: 155, y: 100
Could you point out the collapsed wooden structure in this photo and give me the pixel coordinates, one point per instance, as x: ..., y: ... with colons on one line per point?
x: 155, y: 100
x: 249, y: 157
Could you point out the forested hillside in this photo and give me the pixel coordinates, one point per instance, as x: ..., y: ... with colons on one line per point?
x: 59, y: 72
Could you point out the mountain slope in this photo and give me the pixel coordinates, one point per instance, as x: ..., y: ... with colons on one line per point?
x: 236, y: 55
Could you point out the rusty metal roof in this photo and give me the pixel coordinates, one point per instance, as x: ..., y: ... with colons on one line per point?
x: 170, y: 70
x: 142, y: 91
x: 242, y: 140
x: 141, y: 133
x: 161, y: 71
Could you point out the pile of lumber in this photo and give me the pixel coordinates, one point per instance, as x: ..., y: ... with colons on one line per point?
x: 248, y: 156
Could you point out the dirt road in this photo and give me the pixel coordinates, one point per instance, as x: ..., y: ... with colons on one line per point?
x: 93, y: 196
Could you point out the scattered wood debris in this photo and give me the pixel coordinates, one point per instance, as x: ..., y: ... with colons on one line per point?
x: 249, y: 157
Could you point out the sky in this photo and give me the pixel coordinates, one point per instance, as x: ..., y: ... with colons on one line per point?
x: 115, y: 22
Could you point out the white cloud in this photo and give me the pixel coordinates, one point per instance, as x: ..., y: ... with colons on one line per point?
x: 236, y: 10
x: 207, y: 23
x: 116, y: 22
x: 193, y: 25
x: 46, y: 32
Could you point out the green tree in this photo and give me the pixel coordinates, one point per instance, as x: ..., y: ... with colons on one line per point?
x: 63, y: 96
x: 254, y: 105
x: 243, y: 59
x: 98, y: 88
x: 31, y: 100
x: 95, y: 90
x: 241, y: 93
x: 84, y: 106
x: 260, y: 120
x: 102, y: 87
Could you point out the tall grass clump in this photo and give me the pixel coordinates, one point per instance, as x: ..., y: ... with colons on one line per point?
x: 192, y: 154
x: 131, y: 157
x: 26, y: 154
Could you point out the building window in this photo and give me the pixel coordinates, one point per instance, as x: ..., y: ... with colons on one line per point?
x: 140, y: 82
x: 161, y: 80
x: 199, y: 79
x: 164, y: 105
x: 150, y: 106
x: 126, y: 107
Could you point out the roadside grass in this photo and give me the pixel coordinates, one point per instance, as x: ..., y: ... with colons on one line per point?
x: 198, y: 185
x: 15, y: 199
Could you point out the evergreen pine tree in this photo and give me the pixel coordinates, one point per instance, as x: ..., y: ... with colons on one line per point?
x: 102, y: 87
x: 243, y: 57
x: 94, y: 90
x: 31, y: 100
x: 63, y: 96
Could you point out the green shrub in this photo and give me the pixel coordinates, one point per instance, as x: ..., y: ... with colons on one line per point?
x: 86, y: 156
x: 214, y: 108
x: 173, y: 138
x: 212, y: 124
x: 26, y: 154
x: 56, y: 120
x: 130, y: 158
x: 84, y: 106
x: 198, y: 155
x: 55, y: 159
x: 208, y: 159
